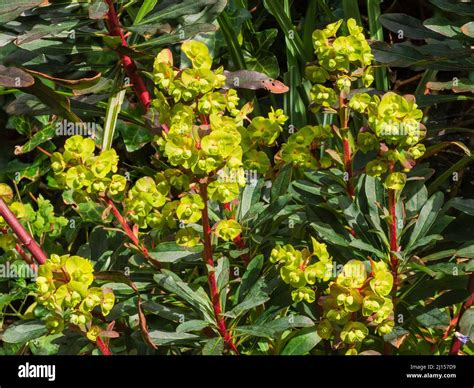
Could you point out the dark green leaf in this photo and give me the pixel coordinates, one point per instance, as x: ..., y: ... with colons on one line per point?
x: 193, y: 325
x: 170, y: 252
x: 160, y: 338
x: 213, y: 347
x: 434, y: 318
x: 11, y: 9
x: 24, y: 331
x: 302, y: 343
x: 466, y: 324
x: 250, y: 276
x: 427, y: 217
x: 407, y: 25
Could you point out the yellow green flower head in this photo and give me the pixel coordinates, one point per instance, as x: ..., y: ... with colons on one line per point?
x: 277, y: 116
x: 353, y: 275
x: 348, y: 298
x: 264, y: 130
x: 223, y: 192
x: 198, y: 54
x: 300, y: 268
x: 103, y: 164
x: 382, y: 283
x: 385, y: 327
x: 359, y: 102
x: 78, y: 148
x: 395, y: 181
x: 189, y: 208
x: 228, y: 230
x: 316, y: 74
x: 417, y: 151
x: 396, y: 119
x: 293, y: 276
x: 376, y: 167
x: 337, y: 53
x: 371, y: 304
x: 256, y: 160
x: 64, y: 294
x: 354, y: 332
x: 322, y: 96
x: 367, y: 142
x: 303, y: 293
x: 325, y: 329
x: 187, y: 237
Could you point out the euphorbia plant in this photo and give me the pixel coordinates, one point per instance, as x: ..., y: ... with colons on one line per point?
x: 391, y: 125
x: 342, y: 61
x: 208, y: 140
x: 209, y: 145
x: 387, y: 129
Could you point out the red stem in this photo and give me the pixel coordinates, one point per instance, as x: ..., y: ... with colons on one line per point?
x: 392, y: 204
x: 21, y: 233
x: 456, y: 345
x: 348, y: 165
x: 211, y: 275
x: 101, y: 345
x: 132, y: 236
x: 128, y: 63
x: 347, y: 158
x: 238, y: 240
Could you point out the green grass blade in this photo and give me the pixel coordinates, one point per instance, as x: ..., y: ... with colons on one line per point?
x: 287, y: 27
x: 351, y: 10
x: 376, y: 32
x: 113, y: 110
x: 309, y: 24
x: 144, y: 10
x: 461, y: 163
x: 233, y: 45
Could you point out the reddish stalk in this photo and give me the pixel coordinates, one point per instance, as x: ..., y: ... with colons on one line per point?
x: 456, y: 345
x: 128, y: 63
x: 211, y: 275
x: 128, y: 231
x: 21, y: 233
x: 348, y: 165
x: 392, y: 204
x: 347, y: 157
x: 238, y: 240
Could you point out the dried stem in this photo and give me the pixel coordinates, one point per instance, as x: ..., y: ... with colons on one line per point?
x: 211, y: 275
